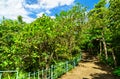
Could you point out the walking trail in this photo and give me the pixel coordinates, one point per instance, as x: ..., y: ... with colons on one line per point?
x: 90, y: 68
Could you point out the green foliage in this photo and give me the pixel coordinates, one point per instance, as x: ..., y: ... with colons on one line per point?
x: 114, y: 25
x: 117, y: 71
x: 109, y: 61
x: 45, y: 41
x: 103, y: 27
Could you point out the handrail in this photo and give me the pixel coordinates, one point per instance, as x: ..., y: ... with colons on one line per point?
x: 9, y: 71
x: 53, y: 72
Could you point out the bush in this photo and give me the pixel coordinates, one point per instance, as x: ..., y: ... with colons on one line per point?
x: 117, y: 71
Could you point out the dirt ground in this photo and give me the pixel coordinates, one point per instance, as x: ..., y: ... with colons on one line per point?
x: 90, y: 68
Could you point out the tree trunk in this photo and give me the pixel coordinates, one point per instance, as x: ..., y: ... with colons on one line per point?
x: 114, y: 58
x: 105, y: 46
x: 47, y: 61
x: 100, y: 48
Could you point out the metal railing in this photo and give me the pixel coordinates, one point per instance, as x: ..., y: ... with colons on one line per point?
x: 2, y: 72
x: 53, y: 72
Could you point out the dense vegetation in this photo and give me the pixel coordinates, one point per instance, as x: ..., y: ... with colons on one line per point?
x: 45, y: 41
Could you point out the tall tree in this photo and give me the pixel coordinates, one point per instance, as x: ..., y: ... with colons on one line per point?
x: 98, y: 22
x: 73, y: 21
x: 114, y: 24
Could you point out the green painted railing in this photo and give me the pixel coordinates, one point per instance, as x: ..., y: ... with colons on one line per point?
x: 9, y: 72
x: 54, y: 72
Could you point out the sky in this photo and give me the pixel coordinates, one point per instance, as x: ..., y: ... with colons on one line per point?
x: 31, y: 9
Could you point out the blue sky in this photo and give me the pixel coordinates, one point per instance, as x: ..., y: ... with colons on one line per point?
x: 31, y: 9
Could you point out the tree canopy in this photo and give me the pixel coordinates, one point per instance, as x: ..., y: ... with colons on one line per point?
x: 45, y: 41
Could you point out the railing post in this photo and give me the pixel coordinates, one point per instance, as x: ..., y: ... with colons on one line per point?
x: 38, y: 74
x: 56, y: 74
x: 66, y: 66
x: 51, y: 72
x: 34, y: 74
x: 42, y: 73
x: 16, y: 74
x: 46, y: 73
x: 80, y: 57
x: 29, y: 75
x: 73, y: 63
x: 0, y: 75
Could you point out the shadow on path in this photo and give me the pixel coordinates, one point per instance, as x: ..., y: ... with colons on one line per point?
x: 90, y: 68
x: 108, y: 75
x: 104, y: 76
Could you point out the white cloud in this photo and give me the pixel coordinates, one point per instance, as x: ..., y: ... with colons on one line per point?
x: 52, y: 17
x: 49, y: 4
x: 13, y: 8
x: 27, y: 19
x: 40, y: 14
